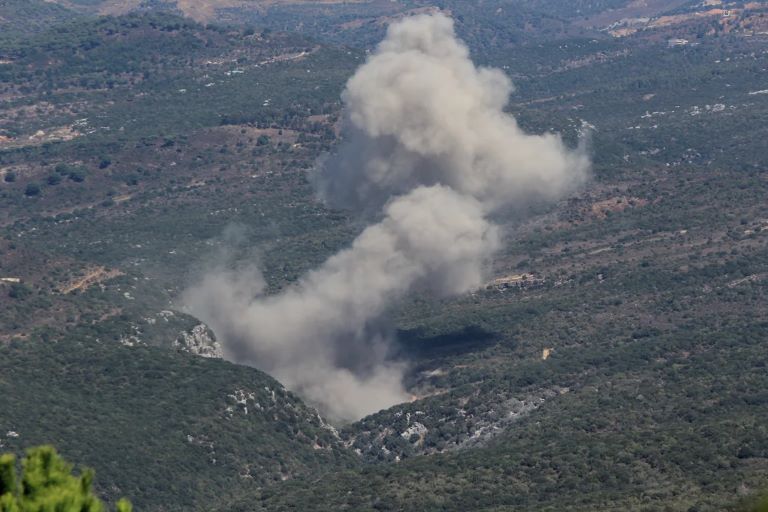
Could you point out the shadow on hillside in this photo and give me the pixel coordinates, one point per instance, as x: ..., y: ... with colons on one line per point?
x: 416, y: 344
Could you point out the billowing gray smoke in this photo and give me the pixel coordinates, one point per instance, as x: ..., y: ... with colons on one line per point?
x: 421, y: 113
x: 429, y: 147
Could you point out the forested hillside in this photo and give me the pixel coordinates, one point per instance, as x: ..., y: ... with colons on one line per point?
x: 172, y: 431
x: 20, y: 18
x: 614, y: 359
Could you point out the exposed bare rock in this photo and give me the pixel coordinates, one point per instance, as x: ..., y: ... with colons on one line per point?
x: 200, y: 341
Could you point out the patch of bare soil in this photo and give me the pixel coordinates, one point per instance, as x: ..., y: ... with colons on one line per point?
x: 62, y: 133
x: 635, y: 9
x: 206, y: 10
x: 92, y: 277
x: 601, y: 209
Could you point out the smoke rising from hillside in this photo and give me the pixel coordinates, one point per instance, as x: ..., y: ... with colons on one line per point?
x: 420, y: 113
x: 429, y: 148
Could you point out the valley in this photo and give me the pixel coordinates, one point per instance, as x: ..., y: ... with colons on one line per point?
x: 136, y: 149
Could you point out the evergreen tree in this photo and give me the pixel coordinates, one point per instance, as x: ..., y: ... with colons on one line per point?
x: 48, y: 485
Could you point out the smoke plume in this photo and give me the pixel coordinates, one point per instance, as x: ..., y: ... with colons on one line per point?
x: 429, y: 150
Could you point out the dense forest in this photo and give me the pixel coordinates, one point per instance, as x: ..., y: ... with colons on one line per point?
x: 614, y: 359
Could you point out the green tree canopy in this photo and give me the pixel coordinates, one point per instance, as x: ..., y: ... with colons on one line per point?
x: 48, y: 485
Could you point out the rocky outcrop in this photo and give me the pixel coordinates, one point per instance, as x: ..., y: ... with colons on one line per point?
x: 200, y: 341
